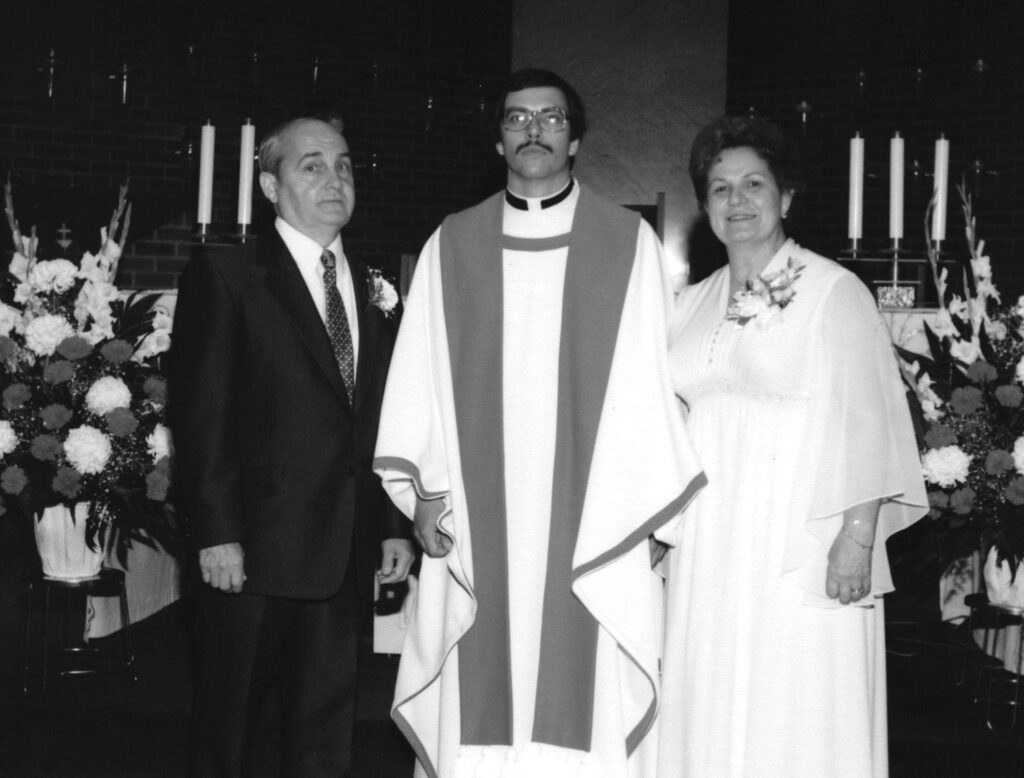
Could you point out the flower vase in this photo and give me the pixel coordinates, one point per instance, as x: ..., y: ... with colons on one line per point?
x: 60, y: 538
x: 1003, y: 587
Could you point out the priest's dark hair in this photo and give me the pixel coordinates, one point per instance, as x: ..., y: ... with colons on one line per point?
x: 732, y: 132
x: 270, y: 153
x: 529, y: 78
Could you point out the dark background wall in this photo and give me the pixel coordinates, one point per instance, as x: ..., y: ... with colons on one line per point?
x: 412, y: 80
x: 921, y: 67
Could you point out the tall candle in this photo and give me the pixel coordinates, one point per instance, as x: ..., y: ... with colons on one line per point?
x: 941, y: 182
x: 896, y: 187
x: 856, y: 221
x: 205, y: 209
x: 245, y: 164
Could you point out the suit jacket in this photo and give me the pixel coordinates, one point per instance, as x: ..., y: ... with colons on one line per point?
x: 270, y: 452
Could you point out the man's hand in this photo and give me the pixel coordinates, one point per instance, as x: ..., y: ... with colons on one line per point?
x: 396, y: 560
x: 434, y: 542
x: 222, y: 566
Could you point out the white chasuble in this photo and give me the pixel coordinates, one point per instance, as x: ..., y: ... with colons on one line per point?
x: 641, y: 475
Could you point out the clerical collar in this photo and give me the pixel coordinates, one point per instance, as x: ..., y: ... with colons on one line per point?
x: 523, y: 204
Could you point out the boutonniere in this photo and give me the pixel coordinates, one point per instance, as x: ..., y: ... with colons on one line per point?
x: 382, y: 293
x: 766, y: 296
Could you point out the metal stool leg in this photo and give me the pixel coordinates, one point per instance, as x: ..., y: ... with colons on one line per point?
x: 31, y: 596
x: 126, y: 626
x: 45, y: 634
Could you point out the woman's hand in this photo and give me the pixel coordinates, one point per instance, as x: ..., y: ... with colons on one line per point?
x: 849, y: 570
x: 849, y: 560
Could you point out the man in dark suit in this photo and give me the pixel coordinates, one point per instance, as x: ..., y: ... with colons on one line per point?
x: 278, y: 366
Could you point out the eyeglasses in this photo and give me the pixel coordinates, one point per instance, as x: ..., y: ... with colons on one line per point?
x: 549, y: 119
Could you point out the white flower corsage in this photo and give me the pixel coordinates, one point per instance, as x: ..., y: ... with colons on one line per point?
x: 766, y: 296
x: 382, y: 293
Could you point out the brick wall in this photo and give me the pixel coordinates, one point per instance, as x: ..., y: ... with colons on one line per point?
x: 815, y: 51
x: 410, y: 79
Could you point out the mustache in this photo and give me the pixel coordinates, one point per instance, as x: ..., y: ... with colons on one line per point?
x: 537, y: 143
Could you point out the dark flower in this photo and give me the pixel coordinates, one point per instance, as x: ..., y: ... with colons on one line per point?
x: 75, y: 347
x: 15, y: 396
x: 962, y: 500
x: 58, y: 372
x: 938, y: 499
x: 155, y: 389
x: 998, y: 461
x: 13, y: 480
x: 1009, y: 396
x: 116, y: 351
x: 55, y: 416
x: 982, y: 372
x: 966, y: 400
x: 939, y: 435
x: 1014, y: 491
x: 121, y: 422
x: 7, y: 348
x: 68, y: 482
x: 46, y: 448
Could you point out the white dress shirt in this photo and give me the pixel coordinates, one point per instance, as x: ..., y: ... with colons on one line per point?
x: 307, y: 252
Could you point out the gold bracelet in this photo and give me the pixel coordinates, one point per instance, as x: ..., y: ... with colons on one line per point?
x: 866, y: 547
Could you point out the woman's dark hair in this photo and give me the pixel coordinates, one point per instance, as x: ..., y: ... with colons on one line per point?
x: 731, y: 132
x: 528, y: 78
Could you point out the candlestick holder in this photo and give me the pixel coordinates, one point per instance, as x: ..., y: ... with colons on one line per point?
x: 202, y: 233
x: 895, y: 292
x: 854, y: 250
x: 243, y: 234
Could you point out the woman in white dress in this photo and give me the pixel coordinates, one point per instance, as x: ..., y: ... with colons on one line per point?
x: 774, y: 661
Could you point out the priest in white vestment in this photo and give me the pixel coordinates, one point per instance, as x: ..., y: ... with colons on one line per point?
x: 530, y: 430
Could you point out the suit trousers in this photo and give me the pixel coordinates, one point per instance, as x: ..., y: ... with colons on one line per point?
x: 246, y: 645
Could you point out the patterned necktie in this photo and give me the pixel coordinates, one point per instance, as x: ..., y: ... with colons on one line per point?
x: 337, y: 324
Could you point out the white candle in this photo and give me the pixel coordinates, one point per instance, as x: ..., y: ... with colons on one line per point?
x: 941, y: 181
x: 856, y: 221
x: 206, y: 174
x: 896, y: 187
x: 245, y: 165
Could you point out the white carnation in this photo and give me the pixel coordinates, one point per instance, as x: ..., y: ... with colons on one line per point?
x: 748, y: 306
x: 44, y: 333
x: 996, y: 330
x: 87, y: 449
x: 945, y: 466
x: 8, y: 438
x: 107, y: 394
x: 1018, y: 455
x: 1019, y: 308
x: 55, y: 275
x: 159, y: 442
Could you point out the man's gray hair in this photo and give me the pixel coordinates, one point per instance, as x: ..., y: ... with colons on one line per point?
x: 270, y: 153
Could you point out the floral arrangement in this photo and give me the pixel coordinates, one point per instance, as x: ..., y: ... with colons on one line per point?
x: 382, y: 293
x: 82, y: 409
x: 968, y: 407
x: 766, y: 296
